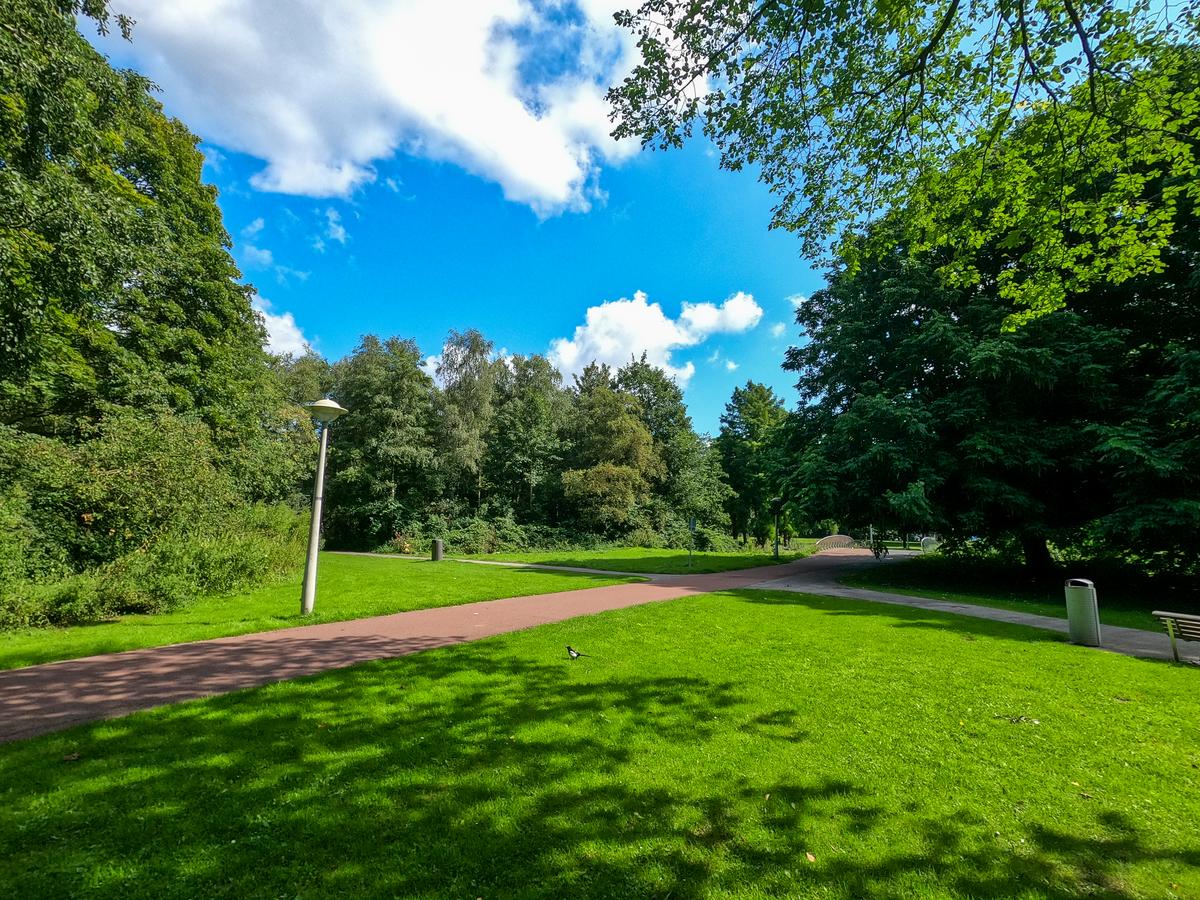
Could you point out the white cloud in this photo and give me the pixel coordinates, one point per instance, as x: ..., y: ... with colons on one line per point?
x: 619, y: 329
x: 283, y: 334
x: 511, y: 90
x: 430, y: 365
x: 334, y: 229
x: 715, y: 355
x: 730, y: 365
x: 797, y: 300
x: 253, y: 228
x: 778, y: 329
x: 258, y: 256
x: 738, y: 313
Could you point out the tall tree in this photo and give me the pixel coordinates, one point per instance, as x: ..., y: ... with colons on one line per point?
x: 749, y: 429
x: 1075, y: 429
x: 614, y: 460
x: 382, y: 464
x: 467, y: 373
x: 526, y: 443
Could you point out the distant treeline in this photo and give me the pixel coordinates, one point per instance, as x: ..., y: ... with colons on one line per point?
x: 494, y: 453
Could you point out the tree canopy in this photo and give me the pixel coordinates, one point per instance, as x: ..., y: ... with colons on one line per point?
x: 848, y: 110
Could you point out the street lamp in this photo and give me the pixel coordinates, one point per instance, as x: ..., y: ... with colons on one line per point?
x: 323, y: 412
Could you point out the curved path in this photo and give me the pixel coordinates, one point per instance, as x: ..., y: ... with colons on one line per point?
x: 40, y: 699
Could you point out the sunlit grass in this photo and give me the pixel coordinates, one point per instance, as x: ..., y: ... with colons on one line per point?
x: 1129, y: 605
x: 349, y: 587
x: 747, y: 744
x: 654, y: 560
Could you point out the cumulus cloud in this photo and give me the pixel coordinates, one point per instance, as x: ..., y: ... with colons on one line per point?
x: 778, y: 329
x: 619, y: 329
x: 730, y: 366
x: 253, y: 228
x: 283, y: 334
x: 797, y: 300
x: 511, y: 90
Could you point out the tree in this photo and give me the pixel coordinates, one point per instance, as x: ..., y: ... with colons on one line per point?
x: 382, y: 464
x: 526, y: 443
x: 467, y: 373
x: 748, y: 432
x: 1076, y: 429
x: 613, y: 458
x: 133, y: 381
x: 848, y: 111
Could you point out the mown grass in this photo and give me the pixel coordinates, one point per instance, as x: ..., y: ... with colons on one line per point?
x: 650, y: 560
x: 747, y: 745
x: 349, y: 587
x: 1123, y: 600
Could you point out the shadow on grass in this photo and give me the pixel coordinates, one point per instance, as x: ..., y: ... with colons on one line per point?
x: 471, y: 773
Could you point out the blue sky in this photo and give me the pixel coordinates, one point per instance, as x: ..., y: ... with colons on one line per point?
x: 357, y: 204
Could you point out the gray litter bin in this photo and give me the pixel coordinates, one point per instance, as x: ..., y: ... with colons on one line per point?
x: 1083, y: 613
x: 436, y: 555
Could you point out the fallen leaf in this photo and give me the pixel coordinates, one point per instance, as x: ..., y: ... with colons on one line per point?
x: 1085, y: 795
x: 767, y: 797
x: 71, y: 757
x: 810, y: 857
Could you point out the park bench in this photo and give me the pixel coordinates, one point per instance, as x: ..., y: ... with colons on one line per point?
x: 1180, y: 627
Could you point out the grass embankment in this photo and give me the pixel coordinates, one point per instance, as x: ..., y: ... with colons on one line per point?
x: 349, y: 587
x: 746, y: 745
x: 649, y: 560
x: 1124, y: 599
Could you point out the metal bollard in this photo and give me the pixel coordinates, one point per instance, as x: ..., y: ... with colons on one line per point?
x: 438, y: 549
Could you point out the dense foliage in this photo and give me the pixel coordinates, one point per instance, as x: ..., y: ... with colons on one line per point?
x: 491, y: 453
x: 142, y: 427
x: 1081, y: 428
x: 847, y: 110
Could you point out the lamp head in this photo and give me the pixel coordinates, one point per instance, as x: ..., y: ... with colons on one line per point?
x: 325, y: 411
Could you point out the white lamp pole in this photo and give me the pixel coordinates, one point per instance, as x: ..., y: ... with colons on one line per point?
x: 323, y: 412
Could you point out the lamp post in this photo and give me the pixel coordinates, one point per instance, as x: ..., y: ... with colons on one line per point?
x: 323, y: 412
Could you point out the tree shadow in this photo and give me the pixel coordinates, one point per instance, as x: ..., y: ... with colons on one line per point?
x: 473, y: 773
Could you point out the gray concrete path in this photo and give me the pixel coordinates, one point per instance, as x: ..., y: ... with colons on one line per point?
x: 824, y: 581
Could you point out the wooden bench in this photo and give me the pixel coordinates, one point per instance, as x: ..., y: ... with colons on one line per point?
x: 1180, y: 627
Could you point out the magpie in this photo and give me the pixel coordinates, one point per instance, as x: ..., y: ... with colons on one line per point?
x: 573, y: 653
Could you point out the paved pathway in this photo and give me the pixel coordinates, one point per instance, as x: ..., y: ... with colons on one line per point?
x: 824, y: 581
x: 40, y: 699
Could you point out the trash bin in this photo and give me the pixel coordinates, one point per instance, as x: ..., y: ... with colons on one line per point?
x: 436, y: 555
x: 1083, y: 613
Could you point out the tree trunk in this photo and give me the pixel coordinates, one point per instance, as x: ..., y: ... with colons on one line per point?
x: 1037, y: 555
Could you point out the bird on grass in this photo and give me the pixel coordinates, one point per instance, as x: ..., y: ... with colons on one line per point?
x: 573, y: 653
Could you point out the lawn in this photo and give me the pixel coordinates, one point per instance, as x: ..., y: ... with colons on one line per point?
x: 746, y: 744
x: 650, y: 560
x: 1125, y: 604
x: 349, y: 587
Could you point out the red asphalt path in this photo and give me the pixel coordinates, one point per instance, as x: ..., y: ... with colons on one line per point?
x: 40, y: 699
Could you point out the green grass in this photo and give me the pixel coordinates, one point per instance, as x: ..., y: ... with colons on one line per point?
x: 748, y: 745
x: 349, y: 587
x: 654, y: 561
x: 1126, y: 605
